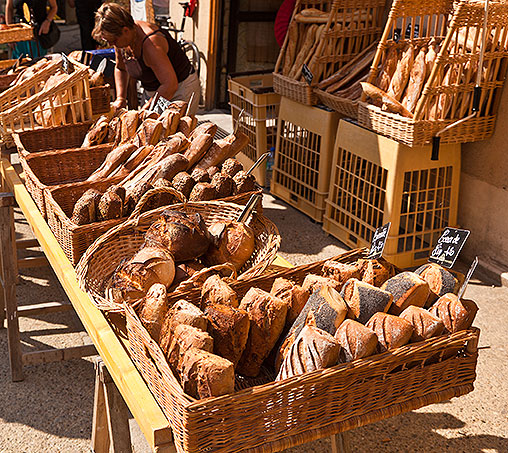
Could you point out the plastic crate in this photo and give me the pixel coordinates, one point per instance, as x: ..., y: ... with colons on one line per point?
x: 254, y: 94
x: 376, y: 180
x: 303, y: 156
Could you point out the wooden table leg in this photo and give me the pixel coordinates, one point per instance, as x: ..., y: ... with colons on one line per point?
x: 9, y: 269
x: 340, y: 443
x: 109, y: 406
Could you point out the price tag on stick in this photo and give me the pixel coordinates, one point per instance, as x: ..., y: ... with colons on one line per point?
x: 378, y: 241
x: 307, y: 74
x: 449, y: 246
x: 470, y: 272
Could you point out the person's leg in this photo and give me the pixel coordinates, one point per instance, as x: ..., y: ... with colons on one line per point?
x: 85, y: 14
x: 190, y: 87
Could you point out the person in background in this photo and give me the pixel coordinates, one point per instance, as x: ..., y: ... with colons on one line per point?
x: 85, y: 14
x: 148, y: 54
x: 41, y: 15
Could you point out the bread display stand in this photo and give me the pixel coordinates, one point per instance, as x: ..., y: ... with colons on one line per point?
x: 19, y: 32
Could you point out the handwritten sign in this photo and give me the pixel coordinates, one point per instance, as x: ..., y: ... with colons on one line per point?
x: 449, y: 246
x: 66, y: 64
x: 307, y: 74
x: 161, y: 105
x: 378, y: 241
x: 462, y: 289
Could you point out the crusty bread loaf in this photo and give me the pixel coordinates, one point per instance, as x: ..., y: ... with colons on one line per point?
x: 425, y: 324
x: 363, y: 300
x: 184, y: 183
x: 217, y: 291
x: 154, y: 310
x: 185, y: 337
x: 407, y: 289
x: 110, y: 206
x: 85, y: 209
x: 392, y: 331
x: 294, y: 295
x: 229, y: 328
x: 200, y: 175
x: 206, y: 375
x: 231, y: 167
x: 376, y: 272
x: 341, y: 272
x: 401, y: 74
x: 312, y: 350
x: 455, y: 314
x: 203, y: 191
x: 223, y: 185
x: 441, y: 281
x: 267, y: 315
x: 356, y: 341
x: 244, y: 182
x: 314, y: 282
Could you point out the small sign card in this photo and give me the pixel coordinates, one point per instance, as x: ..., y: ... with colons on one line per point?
x: 307, y: 74
x: 449, y: 246
x: 462, y: 289
x: 160, y: 105
x: 66, y: 64
x: 378, y: 241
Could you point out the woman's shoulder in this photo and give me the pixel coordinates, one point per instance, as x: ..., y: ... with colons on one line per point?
x: 147, y: 27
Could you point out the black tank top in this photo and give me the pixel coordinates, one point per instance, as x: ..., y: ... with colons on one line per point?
x: 38, y: 8
x: 144, y: 73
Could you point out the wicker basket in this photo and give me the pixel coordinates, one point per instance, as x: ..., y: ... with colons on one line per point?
x: 7, y: 79
x: 461, y: 40
x: 102, y: 258
x: 22, y: 32
x: 346, y: 107
x: 268, y: 416
x: 352, y: 26
x: 47, y: 169
x: 101, y: 99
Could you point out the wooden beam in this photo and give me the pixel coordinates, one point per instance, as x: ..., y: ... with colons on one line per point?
x: 45, y: 307
x: 32, y: 261
x: 213, y: 44
x: 100, y: 434
x: 26, y: 243
x: 57, y: 355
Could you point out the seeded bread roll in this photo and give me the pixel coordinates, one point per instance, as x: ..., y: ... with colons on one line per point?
x: 85, y: 209
x: 441, y: 281
x: 267, y: 315
x: 313, y: 282
x: 223, y: 184
x: 203, y: 191
x: 135, y: 195
x: 212, y: 171
x: 217, y: 291
x: 341, y: 272
x: 294, y: 295
x: 154, y: 310
x: 425, y: 324
x: 456, y: 314
x: 205, y: 375
x: 356, y: 341
x: 110, y: 206
x: 407, y: 289
x: 200, y: 175
x: 229, y: 328
x: 364, y: 300
x: 183, y: 182
x: 312, y: 350
x: 244, y: 183
x: 392, y: 331
x: 376, y: 272
x: 231, y: 167
x: 184, y: 338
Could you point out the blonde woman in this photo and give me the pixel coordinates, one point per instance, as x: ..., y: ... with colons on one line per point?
x: 148, y: 54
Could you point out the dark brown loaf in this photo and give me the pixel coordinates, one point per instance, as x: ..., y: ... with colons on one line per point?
x: 364, y: 300
x: 231, y: 167
x: 110, y: 206
x: 217, y: 291
x: 453, y: 313
x: 170, y: 166
x: 184, y: 183
x: 154, y: 310
x: 229, y: 328
x: 341, y: 272
x: 184, y: 338
x: 244, y: 182
x: 356, y: 341
x: 376, y: 272
x: 200, y: 175
x: 312, y: 350
x: 267, y: 315
x: 223, y: 185
x: 206, y: 375
x: 203, y: 191
x: 407, y: 289
x: 441, y: 281
x: 217, y: 153
x: 134, y: 195
x: 425, y: 324
x: 294, y: 295
x: 392, y: 331
x: 85, y: 209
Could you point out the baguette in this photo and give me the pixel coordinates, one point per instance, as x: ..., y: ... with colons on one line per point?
x: 387, y: 69
x: 205, y: 128
x: 401, y: 75
x: 292, y: 42
x: 388, y: 102
x: 416, y: 81
x: 170, y: 119
x: 114, y: 158
x: 307, y: 45
x: 198, y: 147
x: 216, y: 154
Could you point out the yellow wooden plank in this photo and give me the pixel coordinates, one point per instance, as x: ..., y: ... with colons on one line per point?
x: 141, y: 402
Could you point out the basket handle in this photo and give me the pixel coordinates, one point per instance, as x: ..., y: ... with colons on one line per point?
x: 152, y: 192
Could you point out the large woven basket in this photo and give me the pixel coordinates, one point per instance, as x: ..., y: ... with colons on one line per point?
x: 122, y: 242
x: 453, y: 23
x: 6, y: 79
x: 101, y: 99
x: 22, y: 32
x: 48, y: 169
x: 263, y: 415
x: 346, y: 107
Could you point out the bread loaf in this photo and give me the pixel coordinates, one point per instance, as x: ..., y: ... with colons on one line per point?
x: 205, y: 128
x: 356, y: 341
x: 312, y: 350
x: 231, y: 167
x: 198, y: 147
x: 363, y: 300
x: 185, y: 337
x: 244, y: 183
x: 294, y: 295
x: 453, y: 312
x: 154, y: 310
x: 110, y: 206
x: 387, y: 102
x: 425, y: 324
x: 217, y: 153
x: 186, y: 125
x: 129, y: 124
x: 341, y: 272
x: 229, y: 328
x: 206, y: 375
x: 313, y: 282
x: 157, y: 260
x: 203, y: 191
x: 85, y: 209
x: 392, y: 331
x: 267, y: 316
x: 401, y: 75
x: 217, y: 291
x: 416, y: 81
x: 200, y: 175
x: 170, y: 120
x: 441, y: 281
x: 223, y: 185
x: 407, y: 289
x: 212, y: 171
x: 376, y: 272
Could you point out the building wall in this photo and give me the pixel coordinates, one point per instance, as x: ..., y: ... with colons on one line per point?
x: 483, y: 205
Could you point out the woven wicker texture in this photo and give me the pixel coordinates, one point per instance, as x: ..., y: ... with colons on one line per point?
x: 346, y: 107
x: 448, y: 92
x: 101, y: 99
x: 23, y: 32
x: 273, y: 416
x: 6, y: 79
x: 102, y: 258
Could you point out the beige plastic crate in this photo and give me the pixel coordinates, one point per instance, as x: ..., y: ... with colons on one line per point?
x: 254, y: 94
x: 376, y: 180
x: 303, y: 156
